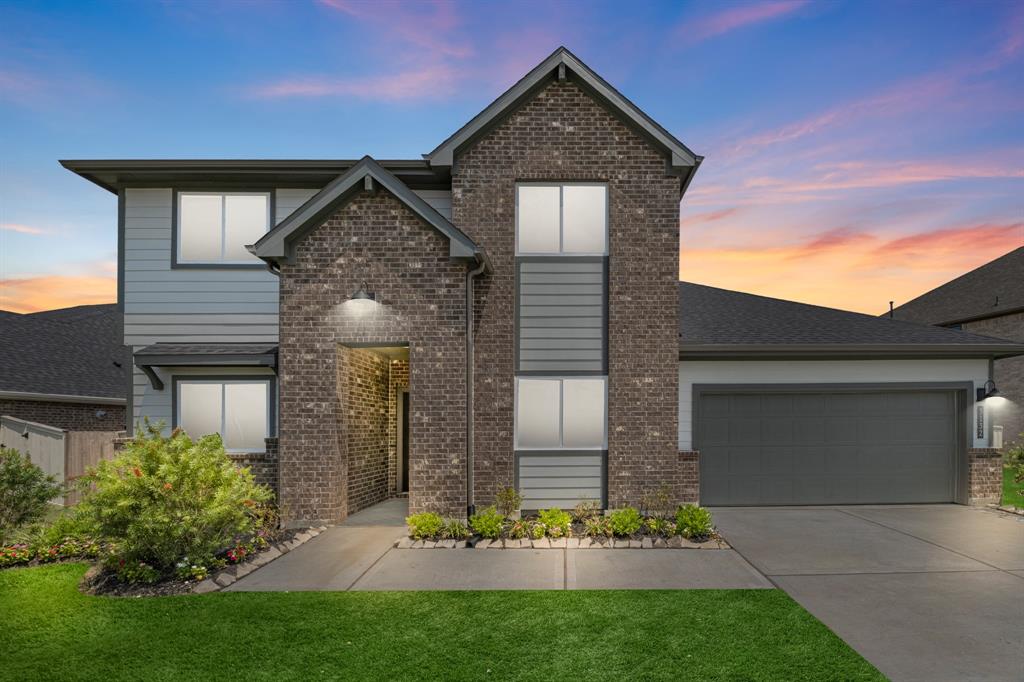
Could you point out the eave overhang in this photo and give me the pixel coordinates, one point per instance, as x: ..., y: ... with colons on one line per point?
x: 202, y: 355
x: 846, y: 351
x: 279, y: 244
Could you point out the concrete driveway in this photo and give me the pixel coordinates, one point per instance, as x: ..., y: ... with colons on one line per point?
x: 930, y: 592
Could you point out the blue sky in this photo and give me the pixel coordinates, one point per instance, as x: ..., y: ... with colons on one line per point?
x: 856, y: 151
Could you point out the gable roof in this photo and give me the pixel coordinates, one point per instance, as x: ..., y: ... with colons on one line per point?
x: 559, y: 65
x: 279, y: 243
x: 996, y: 288
x: 66, y: 352
x: 721, y: 323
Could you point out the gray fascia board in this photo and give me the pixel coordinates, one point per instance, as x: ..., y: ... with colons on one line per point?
x: 277, y: 243
x: 846, y: 351
x: 212, y: 360
x: 61, y: 398
x: 680, y: 155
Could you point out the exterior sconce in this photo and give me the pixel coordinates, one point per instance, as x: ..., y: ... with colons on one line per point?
x: 989, y: 391
x: 362, y: 294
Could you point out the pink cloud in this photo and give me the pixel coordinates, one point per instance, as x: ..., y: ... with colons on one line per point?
x: 21, y: 229
x: 720, y: 23
x: 427, y: 25
x: 427, y: 83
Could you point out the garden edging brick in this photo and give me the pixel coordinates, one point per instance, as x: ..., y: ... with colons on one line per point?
x: 226, y: 576
x: 675, y: 542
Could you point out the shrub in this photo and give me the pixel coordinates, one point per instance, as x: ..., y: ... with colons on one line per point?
x: 163, y: 499
x: 625, y: 522
x: 597, y: 527
x: 487, y: 523
x: 455, y: 530
x: 25, y: 491
x: 658, y: 526
x: 1013, y: 457
x: 537, y: 530
x: 424, y: 525
x: 584, y: 510
x: 693, y: 521
x: 519, y: 529
x: 557, y: 523
x: 658, y: 504
x: 508, y: 501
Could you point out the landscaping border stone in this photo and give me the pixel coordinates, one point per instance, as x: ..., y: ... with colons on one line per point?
x: 226, y: 576
x: 647, y: 542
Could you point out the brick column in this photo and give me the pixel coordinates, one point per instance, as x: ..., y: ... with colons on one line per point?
x: 984, y: 476
x: 689, y: 475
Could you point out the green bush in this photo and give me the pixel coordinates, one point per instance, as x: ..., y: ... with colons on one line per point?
x: 693, y: 521
x: 508, y: 501
x: 1013, y: 457
x: 585, y: 510
x: 597, y: 527
x: 537, y: 530
x: 25, y: 491
x: 425, y: 525
x: 487, y: 523
x: 455, y: 530
x: 162, y: 500
x: 519, y: 529
x: 557, y: 523
x: 625, y: 522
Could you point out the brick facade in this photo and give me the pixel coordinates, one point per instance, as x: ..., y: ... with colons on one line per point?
x: 399, y: 381
x: 689, y: 475
x: 984, y: 476
x: 1008, y: 374
x: 363, y: 387
x: 67, y: 416
x: 562, y: 134
x: 262, y: 465
x: 373, y: 238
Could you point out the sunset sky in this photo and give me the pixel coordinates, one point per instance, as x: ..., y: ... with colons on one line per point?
x: 856, y: 152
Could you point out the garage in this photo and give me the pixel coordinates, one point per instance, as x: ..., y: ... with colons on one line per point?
x: 800, y: 445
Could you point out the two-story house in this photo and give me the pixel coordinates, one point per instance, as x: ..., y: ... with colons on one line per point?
x: 506, y: 311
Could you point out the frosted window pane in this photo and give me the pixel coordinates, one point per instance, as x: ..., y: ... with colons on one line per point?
x: 538, y: 209
x: 245, y: 416
x: 583, y: 413
x: 537, y: 414
x: 583, y: 219
x: 199, y: 231
x: 245, y: 221
x: 199, y: 408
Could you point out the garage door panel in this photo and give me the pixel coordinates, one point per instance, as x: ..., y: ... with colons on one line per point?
x: 715, y: 406
x: 817, y: 447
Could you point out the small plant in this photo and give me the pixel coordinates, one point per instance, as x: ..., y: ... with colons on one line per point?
x: 693, y: 522
x: 25, y: 491
x: 537, y: 530
x: 584, y: 510
x: 557, y: 522
x: 15, y: 555
x: 625, y: 522
x: 658, y: 504
x: 455, y: 530
x: 424, y: 525
x: 597, y: 527
x: 136, y: 572
x: 487, y: 523
x: 656, y: 525
x: 508, y: 501
x: 189, y: 571
x: 519, y: 529
x: 1013, y: 457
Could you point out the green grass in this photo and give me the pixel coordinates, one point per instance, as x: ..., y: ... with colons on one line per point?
x: 1013, y: 493
x: 48, y: 630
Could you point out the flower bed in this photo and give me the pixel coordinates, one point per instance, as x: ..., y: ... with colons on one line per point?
x: 585, y: 527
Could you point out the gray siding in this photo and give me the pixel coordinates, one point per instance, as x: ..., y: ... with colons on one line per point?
x: 560, y: 478
x: 439, y: 199
x: 562, y: 307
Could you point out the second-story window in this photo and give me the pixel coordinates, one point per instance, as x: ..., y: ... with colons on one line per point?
x: 567, y: 219
x: 215, y: 227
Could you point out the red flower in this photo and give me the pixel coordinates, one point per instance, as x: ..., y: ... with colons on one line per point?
x: 137, y: 472
x: 167, y: 486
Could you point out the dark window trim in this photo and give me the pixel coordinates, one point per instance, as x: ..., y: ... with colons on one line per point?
x: 962, y: 394
x: 561, y: 184
x: 253, y: 189
x: 271, y: 395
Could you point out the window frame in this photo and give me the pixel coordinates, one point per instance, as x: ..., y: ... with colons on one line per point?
x: 178, y: 380
x: 561, y: 379
x: 561, y: 219
x: 176, y: 196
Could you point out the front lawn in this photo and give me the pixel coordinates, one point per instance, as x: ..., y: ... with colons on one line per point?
x: 1013, y: 493
x: 50, y: 631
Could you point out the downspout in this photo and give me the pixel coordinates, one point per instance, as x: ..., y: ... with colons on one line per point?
x: 483, y: 265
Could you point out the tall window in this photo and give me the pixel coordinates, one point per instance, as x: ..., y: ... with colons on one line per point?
x: 561, y: 413
x: 239, y: 410
x: 568, y: 219
x: 216, y: 227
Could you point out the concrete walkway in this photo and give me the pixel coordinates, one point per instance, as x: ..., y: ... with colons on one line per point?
x: 923, y: 592
x: 359, y: 555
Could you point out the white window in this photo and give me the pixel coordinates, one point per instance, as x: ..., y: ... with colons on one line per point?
x: 216, y: 227
x: 561, y: 413
x: 562, y: 219
x: 239, y: 410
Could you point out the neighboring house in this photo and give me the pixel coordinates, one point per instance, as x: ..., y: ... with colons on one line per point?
x: 64, y: 368
x: 315, y: 314
x: 987, y: 300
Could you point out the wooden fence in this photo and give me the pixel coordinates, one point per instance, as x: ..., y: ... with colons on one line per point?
x: 63, y: 454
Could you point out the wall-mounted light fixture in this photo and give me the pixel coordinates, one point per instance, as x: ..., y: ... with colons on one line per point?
x: 363, y: 294
x: 989, y: 391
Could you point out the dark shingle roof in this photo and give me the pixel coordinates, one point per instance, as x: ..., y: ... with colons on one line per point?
x: 995, y: 288
x: 718, y: 320
x: 70, y: 351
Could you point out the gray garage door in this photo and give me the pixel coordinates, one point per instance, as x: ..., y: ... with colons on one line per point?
x: 827, y: 448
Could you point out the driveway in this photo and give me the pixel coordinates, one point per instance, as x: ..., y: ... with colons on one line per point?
x: 930, y: 592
